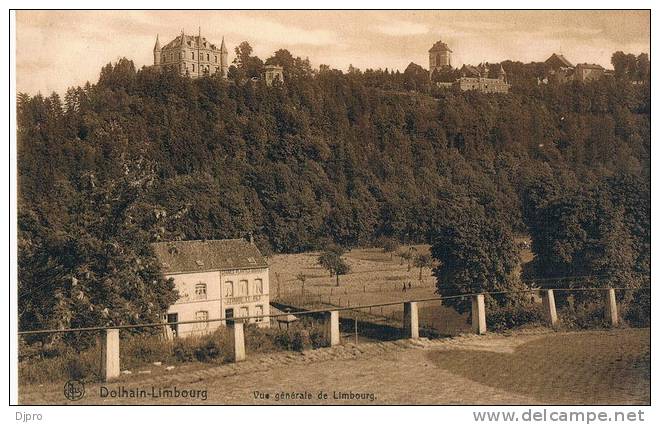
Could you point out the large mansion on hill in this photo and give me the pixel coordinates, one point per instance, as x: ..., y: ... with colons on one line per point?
x: 192, y: 55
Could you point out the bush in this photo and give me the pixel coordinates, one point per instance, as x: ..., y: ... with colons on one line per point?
x: 303, y: 335
x: 138, y: 350
x: 57, y: 362
x: 514, y: 315
x: 206, y: 348
x: 67, y: 365
x: 583, y: 315
x: 637, y: 313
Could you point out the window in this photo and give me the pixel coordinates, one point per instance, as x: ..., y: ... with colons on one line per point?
x: 245, y: 312
x: 192, y: 55
x: 258, y: 311
x: 208, y: 57
x: 202, y: 315
x: 216, y: 58
x: 243, y: 287
x: 229, y: 289
x: 193, y: 68
x: 258, y: 286
x: 200, y: 291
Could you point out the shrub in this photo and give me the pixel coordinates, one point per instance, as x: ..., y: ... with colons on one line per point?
x: 69, y: 364
x: 206, y: 348
x: 637, y: 312
x: 260, y: 340
x: 137, y: 350
x: 514, y: 315
x: 583, y: 315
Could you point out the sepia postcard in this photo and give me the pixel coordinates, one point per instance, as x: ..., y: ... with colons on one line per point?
x: 334, y: 207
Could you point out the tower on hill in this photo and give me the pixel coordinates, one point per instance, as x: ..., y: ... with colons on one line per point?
x: 439, y: 56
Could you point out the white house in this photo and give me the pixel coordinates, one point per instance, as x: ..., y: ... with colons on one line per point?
x: 215, y: 279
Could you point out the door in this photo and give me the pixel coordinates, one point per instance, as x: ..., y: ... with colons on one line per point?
x: 229, y: 314
x: 173, y: 318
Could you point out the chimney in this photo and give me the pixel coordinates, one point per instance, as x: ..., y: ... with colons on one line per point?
x: 251, y: 238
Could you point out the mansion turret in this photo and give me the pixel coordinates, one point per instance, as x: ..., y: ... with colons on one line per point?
x: 192, y: 55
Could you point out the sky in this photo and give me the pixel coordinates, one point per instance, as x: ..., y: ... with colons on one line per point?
x: 59, y: 49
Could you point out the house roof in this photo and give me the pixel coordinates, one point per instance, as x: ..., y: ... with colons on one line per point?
x: 589, y: 66
x: 207, y: 255
x: 190, y: 41
x: 439, y: 46
x: 470, y: 71
x: 560, y: 59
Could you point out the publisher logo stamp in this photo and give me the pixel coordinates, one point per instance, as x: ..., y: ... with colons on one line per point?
x: 74, y: 389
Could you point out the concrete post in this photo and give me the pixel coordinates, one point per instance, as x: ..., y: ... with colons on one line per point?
x: 110, y: 354
x: 237, y: 340
x: 549, y: 307
x: 332, y: 327
x: 410, y: 320
x: 478, y: 314
x: 611, y: 311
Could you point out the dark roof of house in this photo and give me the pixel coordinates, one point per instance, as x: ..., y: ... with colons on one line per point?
x: 440, y: 46
x: 589, y: 66
x: 191, y: 41
x: 206, y: 255
x: 555, y: 58
x: 470, y: 71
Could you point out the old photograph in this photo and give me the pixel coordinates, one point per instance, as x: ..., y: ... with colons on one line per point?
x: 333, y: 207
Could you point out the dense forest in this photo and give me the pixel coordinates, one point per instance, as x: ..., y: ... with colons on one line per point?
x: 326, y: 157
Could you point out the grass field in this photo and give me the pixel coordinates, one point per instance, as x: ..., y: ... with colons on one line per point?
x: 601, y: 367
x: 375, y: 277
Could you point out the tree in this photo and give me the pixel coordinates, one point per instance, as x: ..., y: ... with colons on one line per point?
x: 643, y: 67
x: 302, y: 278
x: 423, y: 261
x: 625, y: 65
x: 476, y: 254
x: 390, y: 245
x: 331, y: 261
x: 247, y: 65
x: 584, y: 239
x: 96, y: 269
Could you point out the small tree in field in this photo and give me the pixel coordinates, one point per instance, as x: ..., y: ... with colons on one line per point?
x: 302, y: 278
x: 423, y: 261
x: 331, y: 261
x: 390, y: 245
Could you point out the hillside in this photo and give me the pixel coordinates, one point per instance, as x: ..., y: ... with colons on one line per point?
x: 143, y: 156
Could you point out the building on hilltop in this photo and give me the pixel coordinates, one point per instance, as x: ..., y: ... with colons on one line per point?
x: 192, y: 55
x: 588, y: 72
x: 273, y: 73
x: 560, y: 70
x: 439, y: 57
x: 481, y: 78
x: 215, y: 279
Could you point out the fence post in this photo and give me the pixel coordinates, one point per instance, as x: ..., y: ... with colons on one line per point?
x: 110, y: 354
x: 549, y: 307
x: 478, y: 314
x: 237, y: 340
x: 332, y: 327
x: 611, y: 311
x: 410, y: 320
